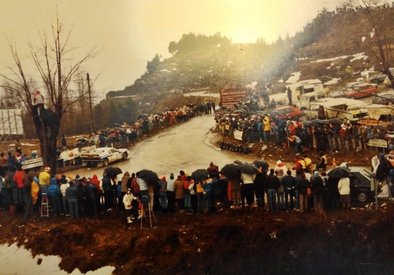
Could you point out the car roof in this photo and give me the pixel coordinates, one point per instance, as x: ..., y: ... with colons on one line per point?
x: 285, y: 107
x: 363, y: 85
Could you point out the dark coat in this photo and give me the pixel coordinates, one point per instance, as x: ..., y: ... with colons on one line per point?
x: 301, y: 184
x: 272, y: 182
x: 317, y: 185
x: 288, y: 183
x: 259, y: 182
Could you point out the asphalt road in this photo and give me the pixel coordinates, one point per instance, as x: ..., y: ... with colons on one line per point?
x: 187, y: 147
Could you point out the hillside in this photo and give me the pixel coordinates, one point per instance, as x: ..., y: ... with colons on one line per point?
x: 201, y: 61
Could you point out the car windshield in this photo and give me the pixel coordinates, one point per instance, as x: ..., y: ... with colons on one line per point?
x: 366, y: 173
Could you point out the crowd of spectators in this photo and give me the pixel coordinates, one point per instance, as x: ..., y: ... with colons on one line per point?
x: 302, y: 135
x: 126, y: 134
x: 303, y: 187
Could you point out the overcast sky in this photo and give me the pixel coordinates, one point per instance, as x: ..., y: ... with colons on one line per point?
x: 128, y: 33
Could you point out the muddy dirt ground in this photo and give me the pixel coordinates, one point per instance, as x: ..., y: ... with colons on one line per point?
x: 252, y: 241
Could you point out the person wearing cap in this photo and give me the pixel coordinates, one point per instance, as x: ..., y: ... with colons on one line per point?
x: 44, y: 179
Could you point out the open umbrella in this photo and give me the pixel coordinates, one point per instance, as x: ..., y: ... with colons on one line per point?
x: 339, y: 172
x: 248, y: 168
x: 261, y: 163
x: 231, y: 171
x: 112, y: 171
x: 149, y: 176
x: 335, y: 121
x: 200, y: 174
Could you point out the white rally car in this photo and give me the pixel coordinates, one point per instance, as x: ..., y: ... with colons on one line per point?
x: 104, y: 155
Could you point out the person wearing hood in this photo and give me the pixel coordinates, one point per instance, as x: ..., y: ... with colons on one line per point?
x: 53, y: 192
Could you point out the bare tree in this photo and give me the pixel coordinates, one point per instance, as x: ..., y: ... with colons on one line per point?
x: 378, y: 44
x: 57, y: 69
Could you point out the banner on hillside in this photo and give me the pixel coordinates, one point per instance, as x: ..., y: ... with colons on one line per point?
x: 230, y: 97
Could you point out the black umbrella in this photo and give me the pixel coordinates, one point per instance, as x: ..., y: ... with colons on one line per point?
x: 261, y: 163
x: 238, y: 162
x: 248, y: 168
x: 339, y: 172
x: 200, y: 174
x: 335, y: 121
x: 231, y: 171
x: 112, y: 171
x: 149, y: 176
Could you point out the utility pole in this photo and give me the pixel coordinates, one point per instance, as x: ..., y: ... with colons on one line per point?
x: 90, y: 104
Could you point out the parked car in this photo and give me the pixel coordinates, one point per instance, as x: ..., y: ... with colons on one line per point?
x: 104, y: 155
x: 384, y: 98
x: 337, y: 93
x: 361, y: 182
x: 361, y: 90
x: 378, y: 78
x: 286, y: 112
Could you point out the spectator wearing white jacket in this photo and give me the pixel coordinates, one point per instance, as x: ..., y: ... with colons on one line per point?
x: 344, y: 191
x: 131, y: 205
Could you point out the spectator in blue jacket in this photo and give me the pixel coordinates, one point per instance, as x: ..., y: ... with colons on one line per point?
x: 72, y: 198
x: 53, y: 193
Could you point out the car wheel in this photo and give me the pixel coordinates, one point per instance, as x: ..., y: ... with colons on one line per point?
x: 125, y: 156
x: 362, y: 197
x: 105, y: 162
